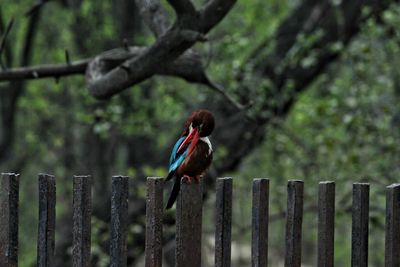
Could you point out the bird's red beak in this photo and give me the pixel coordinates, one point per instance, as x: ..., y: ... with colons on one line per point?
x: 192, y: 138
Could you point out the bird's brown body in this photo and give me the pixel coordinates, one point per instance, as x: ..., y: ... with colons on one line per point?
x: 197, y: 162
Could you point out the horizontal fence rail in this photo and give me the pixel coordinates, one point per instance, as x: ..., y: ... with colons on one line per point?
x: 188, y: 247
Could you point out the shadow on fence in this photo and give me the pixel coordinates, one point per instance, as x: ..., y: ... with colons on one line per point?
x: 189, y: 222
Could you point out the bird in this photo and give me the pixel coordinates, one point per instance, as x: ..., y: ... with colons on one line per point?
x: 192, y: 154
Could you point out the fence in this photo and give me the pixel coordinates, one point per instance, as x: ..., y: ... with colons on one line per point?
x: 189, y: 220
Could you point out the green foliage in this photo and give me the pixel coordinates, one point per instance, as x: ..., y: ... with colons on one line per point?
x: 345, y: 127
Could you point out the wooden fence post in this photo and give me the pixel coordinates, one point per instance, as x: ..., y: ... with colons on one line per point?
x: 360, y: 210
x: 223, y: 222
x: 82, y: 210
x: 9, y: 196
x: 260, y: 213
x: 294, y: 220
x: 119, y: 221
x: 188, y: 225
x: 326, y: 223
x: 154, y: 214
x: 47, y: 220
x: 392, y: 234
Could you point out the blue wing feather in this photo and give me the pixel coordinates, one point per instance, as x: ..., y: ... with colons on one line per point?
x: 173, y: 161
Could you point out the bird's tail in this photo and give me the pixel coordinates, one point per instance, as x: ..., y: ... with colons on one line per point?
x: 174, y: 193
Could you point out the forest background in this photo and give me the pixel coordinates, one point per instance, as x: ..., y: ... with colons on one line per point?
x: 301, y: 90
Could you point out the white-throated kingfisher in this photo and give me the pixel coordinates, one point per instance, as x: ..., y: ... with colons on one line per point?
x: 192, y: 153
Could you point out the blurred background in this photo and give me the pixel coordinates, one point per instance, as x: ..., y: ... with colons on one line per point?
x: 300, y: 89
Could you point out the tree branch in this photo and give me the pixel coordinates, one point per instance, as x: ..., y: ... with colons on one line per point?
x: 278, y: 101
x: 4, y: 37
x: 213, y: 12
x: 11, y: 95
x: 166, y: 49
x: 154, y: 16
x: 183, y: 7
x: 188, y: 67
x: 113, y: 71
x: 44, y: 71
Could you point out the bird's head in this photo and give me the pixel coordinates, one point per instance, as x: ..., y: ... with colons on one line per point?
x: 199, y: 124
x: 200, y: 120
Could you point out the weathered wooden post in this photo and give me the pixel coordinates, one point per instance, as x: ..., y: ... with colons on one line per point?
x: 119, y: 221
x: 360, y: 210
x: 9, y: 196
x: 260, y: 213
x: 326, y: 223
x: 47, y: 220
x: 392, y: 234
x: 82, y: 211
x: 223, y: 222
x: 188, y: 225
x: 154, y: 213
x: 294, y: 221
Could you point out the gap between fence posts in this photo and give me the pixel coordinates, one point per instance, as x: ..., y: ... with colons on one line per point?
x: 360, y: 211
x: 392, y: 233
x: 223, y: 222
x: 82, y: 211
x: 260, y: 217
x: 294, y: 221
x: 154, y: 213
x: 9, y: 197
x: 188, y: 225
x: 326, y: 223
x: 47, y: 220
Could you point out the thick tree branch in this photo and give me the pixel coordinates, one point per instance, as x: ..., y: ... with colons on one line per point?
x: 166, y: 49
x: 114, y: 70
x: 183, y: 7
x: 188, y: 67
x: 213, y: 12
x: 154, y: 16
x: 309, y: 18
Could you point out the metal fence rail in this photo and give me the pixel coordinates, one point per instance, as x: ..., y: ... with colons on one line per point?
x: 189, y: 222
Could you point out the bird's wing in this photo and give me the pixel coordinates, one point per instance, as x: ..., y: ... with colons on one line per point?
x: 175, y: 149
x: 176, y: 159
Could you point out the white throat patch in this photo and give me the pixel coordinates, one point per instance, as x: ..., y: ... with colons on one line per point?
x: 207, y: 141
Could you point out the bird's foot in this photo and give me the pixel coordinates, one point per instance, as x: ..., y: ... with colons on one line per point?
x: 188, y: 179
